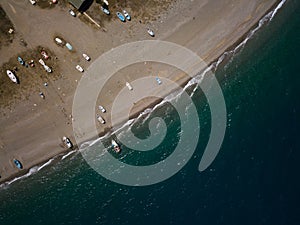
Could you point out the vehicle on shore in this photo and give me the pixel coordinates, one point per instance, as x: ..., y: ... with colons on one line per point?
x: 150, y: 32
x: 86, y: 57
x: 121, y: 16
x: 100, y: 119
x: 115, y: 146
x: 18, y: 164
x: 12, y: 76
x: 126, y: 14
x: 105, y: 10
x: 67, y: 142
x: 101, y: 108
x: 79, y: 68
x: 129, y: 86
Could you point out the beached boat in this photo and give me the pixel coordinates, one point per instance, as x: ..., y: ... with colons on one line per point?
x: 121, y: 16
x: 21, y: 61
x: 100, y: 119
x: 115, y: 146
x: 67, y: 142
x: 105, y: 10
x: 150, y: 32
x: 129, y: 86
x: 12, y: 76
x: 127, y: 16
x: 18, y: 164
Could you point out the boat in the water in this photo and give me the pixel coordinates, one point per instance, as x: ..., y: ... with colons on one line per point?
x: 121, y: 16
x: 115, y: 146
x: 105, y: 10
x: 126, y: 14
x: 12, y: 76
x: 18, y: 164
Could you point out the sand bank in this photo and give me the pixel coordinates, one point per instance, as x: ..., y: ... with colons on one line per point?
x: 32, y: 133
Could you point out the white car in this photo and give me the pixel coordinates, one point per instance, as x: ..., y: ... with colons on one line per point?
x: 129, y: 86
x: 100, y: 119
x: 101, y: 108
x: 32, y: 2
x: 86, y: 57
x: 79, y: 68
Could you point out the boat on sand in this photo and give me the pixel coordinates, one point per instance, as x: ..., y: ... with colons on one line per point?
x: 12, y: 76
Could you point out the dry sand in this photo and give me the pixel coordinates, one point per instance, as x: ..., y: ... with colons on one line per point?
x: 33, y: 133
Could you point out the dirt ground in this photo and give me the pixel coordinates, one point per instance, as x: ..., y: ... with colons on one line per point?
x: 5, y: 25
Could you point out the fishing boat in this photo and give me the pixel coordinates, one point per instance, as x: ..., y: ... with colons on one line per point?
x: 150, y: 32
x: 121, y: 16
x: 105, y: 10
x: 100, y: 119
x: 126, y: 15
x: 115, y: 146
x: 18, y: 164
x: 12, y: 76
x: 67, y: 142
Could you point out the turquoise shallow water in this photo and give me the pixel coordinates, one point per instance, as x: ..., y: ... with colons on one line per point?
x: 254, y: 179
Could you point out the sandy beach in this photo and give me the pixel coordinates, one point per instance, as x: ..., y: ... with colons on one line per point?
x: 32, y: 128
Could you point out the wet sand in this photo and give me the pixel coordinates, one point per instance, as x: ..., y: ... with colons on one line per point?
x: 31, y: 130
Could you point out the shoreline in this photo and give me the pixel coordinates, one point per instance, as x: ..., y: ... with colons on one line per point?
x: 239, y: 40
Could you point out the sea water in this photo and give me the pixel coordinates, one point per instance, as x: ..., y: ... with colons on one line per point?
x: 253, y: 180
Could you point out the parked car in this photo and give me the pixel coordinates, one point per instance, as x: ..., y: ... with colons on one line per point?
x: 79, y: 68
x: 44, y: 54
x: 101, y: 108
x: 72, y: 13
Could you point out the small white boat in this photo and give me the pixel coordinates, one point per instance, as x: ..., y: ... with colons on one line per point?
x: 67, y: 142
x: 126, y: 14
x: 79, y: 68
x: 100, y: 119
x: 105, y: 10
x: 150, y: 32
x: 115, y: 146
x: 101, y: 108
x: 12, y: 76
x: 129, y: 86
x: 86, y: 57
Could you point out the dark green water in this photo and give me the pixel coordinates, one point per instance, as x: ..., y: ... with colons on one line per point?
x: 253, y: 180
